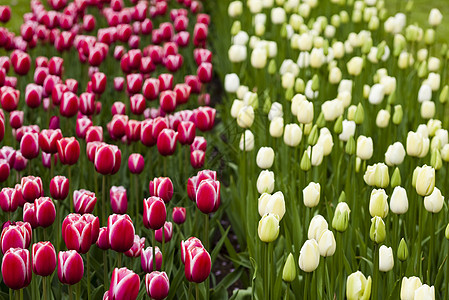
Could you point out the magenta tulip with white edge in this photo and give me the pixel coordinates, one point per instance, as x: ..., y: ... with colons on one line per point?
x: 199, y: 143
x: 157, y: 285
x: 197, y: 158
x: 182, y: 91
x: 197, y: 264
x: 82, y: 125
x: 186, y: 132
x: 31, y: 188
x: 69, y: 105
x: 192, y: 185
x: 98, y: 82
x: 161, y: 187
x: 33, y: 94
x: 104, y: 159
x: 87, y: 104
x: 22, y: 63
x: 165, y: 82
x: 94, y: 134
x: 159, y: 124
x: 70, y: 267
x: 151, y: 89
x: 121, y: 232
x: 187, y: 245
x: 44, y: 258
x: 137, y: 104
x: 179, y: 215
x: 72, y: 85
x: 16, y: 119
x: 154, y: 212
x: 119, y: 83
x: 119, y: 200
x: 208, y: 196
x: 8, y: 153
x: 117, y: 126
x: 58, y: 92
x: 84, y: 201
x: 132, y: 130
x: 77, y: 233
x: 56, y: 65
x: 68, y: 150
x: 167, y: 101
x: 136, y: 163
x: 29, y: 214
x: 146, y: 259
x: 59, y: 187
x: 134, y: 83
x: 166, y: 142
x: 48, y: 139
x: 168, y: 232
x: 29, y: 145
x: 45, y: 211
x: 9, y: 199
x: 136, y: 249
x: 205, y: 118
x: 125, y: 285
x: 16, y: 235
x: 103, y: 239
x: 16, y: 268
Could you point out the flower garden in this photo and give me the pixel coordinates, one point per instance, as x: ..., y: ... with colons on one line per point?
x: 246, y: 149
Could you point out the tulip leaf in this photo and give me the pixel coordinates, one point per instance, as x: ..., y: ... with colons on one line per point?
x: 174, y: 284
x: 229, y: 279
x: 231, y: 251
x: 217, y: 247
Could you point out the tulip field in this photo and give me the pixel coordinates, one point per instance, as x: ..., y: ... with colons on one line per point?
x: 227, y: 149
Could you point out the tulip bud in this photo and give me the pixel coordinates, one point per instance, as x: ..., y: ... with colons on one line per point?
x: 273, y: 204
x: 125, y: 284
x: 157, y: 285
x: 377, y: 231
x: 386, y: 259
x: 402, y: 250
x: 305, y: 164
x: 155, y: 213
x: 317, y: 227
x: 121, y: 232
x: 289, y: 271
x: 327, y: 244
x: 70, y: 267
x: 399, y: 201
x: 168, y: 232
x: 358, y: 286
x: 309, y: 257
x: 311, y: 194
x: 424, y: 180
x: 45, y: 211
x: 340, y: 222
x: 16, y: 268
x: 119, y: 200
x: 268, y: 229
x: 425, y: 292
x: 364, y: 147
x: 44, y: 258
x: 179, y: 215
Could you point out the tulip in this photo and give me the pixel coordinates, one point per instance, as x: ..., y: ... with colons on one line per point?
x: 9, y: 98
x: 182, y: 91
x: 425, y: 292
x: 137, y: 104
x: 84, y: 201
x: 136, y: 249
x: 82, y: 125
x: 161, y: 187
x: 327, y: 244
x: 98, y: 82
x: 364, y: 147
x: 9, y: 199
x: 186, y: 132
x: 45, y: 211
x: 48, y: 140
x: 395, y: 154
x: 208, y: 196
x: 125, y: 284
x: 121, y: 232
x: 104, y: 159
x: 119, y: 200
x: 197, y: 158
x: 136, y: 163
x: 16, y: 119
x: 29, y: 145
x: 386, y: 259
x: 154, y: 213
x: 166, y: 142
x: 70, y: 267
x: 44, y: 258
x: 377, y: 231
x: 317, y: 227
x: 424, y: 180
x: 80, y: 232
x: 68, y: 150
x: 434, y: 202
x: 103, y: 239
x: 378, y: 205
x: 292, y: 135
x: 309, y: 256
x: 69, y: 104
x: 157, y: 285
x: 16, y: 236
x: 417, y: 144
x: 265, y: 157
x: 94, y: 134
x: 273, y: 204
x: 205, y: 118
x: 268, y: 229
x: 16, y: 268
x: 146, y: 259
x: 5, y: 13
x: 199, y: 143
x: 31, y: 188
x: 409, y: 286
x: 358, y: 287
x: 197, y: 264
x: 265, y: 182
x: 179, y: 215
x: 59, y: 187
x: 311, y: 194
x: 150, y: 88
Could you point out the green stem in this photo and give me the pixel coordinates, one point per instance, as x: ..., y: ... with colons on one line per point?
x: 153, y: 239
x: 287, y: 291
x: 105, y: 272
x: 197, y: 291
x: 11, y: 294
x: 103, y: 200
x: 70, y: 292
x: 270, y: 263
x: 163, y: 245
x: 376, y: 271
x: 329, y: 286
x: 306, y: 285
x: 119, y: 259
x: 88, y: 276
x: 419, y: 241
x: 58, y: 225
x: 78, y: 290
x: 44, y: 288
x: 70, y: 189
x: 206, y: 243
x: 432, y: 246
x: 136, y: 196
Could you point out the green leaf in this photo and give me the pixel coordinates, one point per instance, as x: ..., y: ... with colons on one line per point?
x: 219, y: 244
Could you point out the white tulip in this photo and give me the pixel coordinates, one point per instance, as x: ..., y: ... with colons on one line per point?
x: 434, y: 80
x: 395, y: 154
x: 265, y: 157
x: 237, y: 53
x: 309, y: 256
x: 435, y: 17
x: 277, y: 127
x: 425, y: 292
x: 292, y: 135
x: 386, y: 259
x: 278, y: 15
x: 241, y: 91
x: 348, y: 130
x: 425, y: 93
x: 296, y: 101
x: 345, y: 86
x: 305, y: 112
x: 241, y: 38
x: 317, y: 58
x: 332, y: 109
x: 355, y: 66
x: 327, y: 244
x: 364, y: 147
x: 427, y: 109
x: 275, y: 111
x: 259, y: 58
x: 245, y: 117
x: 265, y: 182
x: 235, y: 108
x: 409, y: 286
x: 311, y: 194
x: 316, y: 228
x: 325, y: 140
x: 377, y: 94
x: 383, y: 118
x: 434, y: 202
x: 247, y: 141
x: 399, y: 201
x: 231, y: 83
x: 235, y: 9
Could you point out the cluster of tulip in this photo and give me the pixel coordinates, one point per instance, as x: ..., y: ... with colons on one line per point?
x: 74, y: 78
x: 348, y: 105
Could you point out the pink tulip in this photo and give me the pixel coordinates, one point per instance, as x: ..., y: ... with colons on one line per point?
x: 132, y: 130
x: 136, y: 249
x: 103, y: 239
x: 44, y: 258
x: 77, y: 233
x: 68, y: 150
x: 197, y: 264
x: 21, y: 63
x: 135, y: 56
x: 202, y: 55
x: 117, y: 126
x: 5, y: 13
x: 208, y: 196
x: 154, y: 212
x: 125, y: 285
x: 151, y: 88
x: 119, y: 83
x: 146, y: 65
x: 119, y: 200
x: 70, y: 267
x: 29, y: 145
x: 57, y: 93
x: 187, y: 245
x: 9, y: 199
x: 159, y: 124
x: 82, y: 125
x: 157, y: 285
x: 179, y: 215
x: 134, y: 83
x: 88, y: 23
x: 20, y: 162
x: 136, y: 163
x: 194, y: 83
x: 31, y: 188
x: 69, y: 105
x: 165, y: 82
x: 55, y: 66
x: 16, y: 235
x: 47, y: 160
x: 167, y: 101
x: 137, y: 104
x: 200, y: 32
x: 84, y: 201
x: 186, y: 132
x: 166, y: 142
x: 197, y: 158
x: 119, y: 51
x: 205, y: 118
x: 94, y: 134
x: 48, y: 140
x: 45, y: 211
x: 104, y: 159
x: 16, y: 268
x: 121, y: 232
x: 146, y: 259
x: 118, y: 108
x: 204, y: 72
x: 59, y: 187
x: 168, y: 232
x: 98, y: 82
x: 9, y: 98
x: 161, y: 187
x: 16, y: 119
x: 40, y: 73
x: 199, y: 143
x: 174, y: 62
x: 182, y: 38
x: 87, y: 104
x: 4, y: 170
x: 182, y: 91
x: 29, y: 214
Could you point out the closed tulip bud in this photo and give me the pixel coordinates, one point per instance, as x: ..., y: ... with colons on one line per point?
x: 179, y: 215
x: 348, y: 130
x: 434, y: 202
x: 70, y: 267
x: 289, y: 271
x: 340, y: 222
x: 168, y: 232
x: 273, y: 204
x: 9, y: 199
x: 103, y: 239
x: 377, y: 231
x: 377, y: 175
x: 355, y: 66
x: 386, y: 259
x: 157, y: 285
x: 247, y: 141
x: 31, y: 188
x: 268, y: 229
x: 84, y: 201
x: 424, y: 180
x: 119, y: 200
x: 125, y: 284
x: 137, y: 247
x: 409, y: 286
x: 309, y: 257
x: 44, y: 258
x: 29, y: 145
x: 245, y: 117
x: 292, y: 135
x: 364, y: 147
x: 444, y: 95
x: 425, y: 292
x: 265, y: 182
x: 277, y: 127
x: 161, y: 187
x: 359, y: 114
x: 29, y: 214
x: 358, y: 287
x: 265, y: 157
x: 154, y: 213
x: 311, y: 194
x: 327, y: 244
x: 316, y: 228
x: 68, y: 150
x: 16, y: 236
x: 435, y: 17
x: 45, y: 211
x: 402, y: 251
x: 136, y: 163
x: 121, y: 232
x: 16, y: 268
x: 197, y: 263
x: 378, y: 205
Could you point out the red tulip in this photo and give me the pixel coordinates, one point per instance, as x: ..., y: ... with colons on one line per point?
x: 44, y: 258
x: 68, y: 150
x: 197, y: 264
x: 94, y: 134
x: 4, y: 170
x: 59, y: 187
x: 45, y: 211
x: 55, y: 65
x: 104, y: 159
x: 197, y: 158
x: 204, y: 72
x: 69, y: 105
x: 82, y: 125
x: 165, y: 82
x: 5, y: 13
x: 208, y: 195
x: 98, y: 82
x: 16, y: 268
x: 134, y: 83
x: 29, y: 145
x: 155, y: 52
x: 21, y: 63
x: 72, y: 85
x: 136, y: 163
x: 154, y: 212
x: 9, y: 98
x: 166, y: 142
x: 33, y: 95
x: 57, y: 93
x: 151, y: 88
x: 205, y: 118
x: 161, y: 187
x: 8, y: 153
x: 187, y: 245
x: 146, y: 26
x: 84, y: 201
x: 87, y: 104
x: 199, y: 143
x: 47, y: 159
x: 70, y: 267
x: 103, y: 239
x: 167, y: 101
x: 119, y: 51
x: 194, y: 83
x: 117, y: 127
x: 29, y: 214
x: 179, y: 215
x: 121, y: 232
x: 168, y: 232
x: 9, y: 199
x: 174, y: 121
x: 31, y: 188
x: 173, y: 62
x: 186, y: 132
x: 119, y: 82
x: 95, y: 57
x: 182, y: 91
x: 137, y: 104
x: 16, y: 236
x: 146, y: 259
x: 77, y: 233
x: 119, y: 200
x: 48, y: 140
x: 40, y: 73
x: 137, y: 247
x: 157, y: 285
x: 200, y: 32
x: 181, y: 23
x: 125, y: 285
